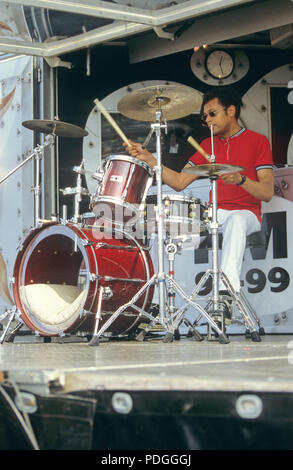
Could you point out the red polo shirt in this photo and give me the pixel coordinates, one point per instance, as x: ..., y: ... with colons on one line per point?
x: 247, y: 149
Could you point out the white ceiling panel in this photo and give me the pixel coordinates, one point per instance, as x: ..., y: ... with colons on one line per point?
x: 48, y: 28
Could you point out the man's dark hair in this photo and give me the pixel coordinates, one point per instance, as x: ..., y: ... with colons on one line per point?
x: 227, y: 96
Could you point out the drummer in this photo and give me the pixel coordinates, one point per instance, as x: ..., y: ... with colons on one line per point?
x: 239, y: 193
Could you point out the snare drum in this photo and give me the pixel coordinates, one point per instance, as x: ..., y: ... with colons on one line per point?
x: 182, y: 215
x: 122, y: 190
x: 60, y: 269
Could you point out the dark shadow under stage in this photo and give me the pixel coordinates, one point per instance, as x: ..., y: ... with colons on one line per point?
x: 130, y: 395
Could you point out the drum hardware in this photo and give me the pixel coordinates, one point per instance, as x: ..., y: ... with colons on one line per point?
x: 84, y: 313
x: 118, y: 247
x: 93, y: 174
x: 92, y: 276
x: 213, y: 171
x: 98, y: 315
x: 97, y: 175
x: 64, y: 214
x: 250, y: 319
x: 171, y: 250
x: 122, y: 279
x: 87, y: 242
x: 97, y: 277
x: 37, y: 155
x: 252, y: 313
x: 96, y: 337
x: 78, y: 192
x: 13, y: 315
x: 52, y: 128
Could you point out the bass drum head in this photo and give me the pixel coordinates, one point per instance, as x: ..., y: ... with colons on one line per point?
x: 59, y: 271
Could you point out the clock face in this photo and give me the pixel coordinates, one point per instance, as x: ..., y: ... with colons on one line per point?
x: 219, y: 64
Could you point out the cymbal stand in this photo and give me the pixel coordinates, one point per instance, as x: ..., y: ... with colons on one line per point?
x: 37, y: 154
x: 217, y: 274
x: 160, y: 215
x: 161, y: 277
x: 214, y: 227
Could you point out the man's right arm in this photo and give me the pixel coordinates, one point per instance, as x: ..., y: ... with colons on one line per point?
x: 176, y: 181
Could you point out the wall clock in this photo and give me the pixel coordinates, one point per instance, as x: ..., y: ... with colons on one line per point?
x: 219, y: 66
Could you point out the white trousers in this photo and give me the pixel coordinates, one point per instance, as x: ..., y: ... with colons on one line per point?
x: 235, y: 225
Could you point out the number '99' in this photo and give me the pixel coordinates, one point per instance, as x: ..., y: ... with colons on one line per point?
x: 277, y: 276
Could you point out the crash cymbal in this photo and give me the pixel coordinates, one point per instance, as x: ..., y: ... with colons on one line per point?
x: 59, y: 128
x: 213, y: 169
x: 175, y: 101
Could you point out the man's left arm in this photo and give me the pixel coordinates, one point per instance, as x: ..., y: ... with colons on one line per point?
x: 262, y: 189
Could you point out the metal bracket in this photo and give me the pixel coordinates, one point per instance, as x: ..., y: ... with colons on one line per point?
x: 163, y: 34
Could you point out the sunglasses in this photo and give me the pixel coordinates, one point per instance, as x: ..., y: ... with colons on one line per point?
x: 203, y: 117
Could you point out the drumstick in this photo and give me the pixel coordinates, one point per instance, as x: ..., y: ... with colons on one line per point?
x: 199, y: 148
x: 112, y: 122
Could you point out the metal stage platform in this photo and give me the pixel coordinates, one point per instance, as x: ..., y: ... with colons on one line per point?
x: 130, y: 395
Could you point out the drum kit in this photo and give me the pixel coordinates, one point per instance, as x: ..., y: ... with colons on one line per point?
x: 91, y: 275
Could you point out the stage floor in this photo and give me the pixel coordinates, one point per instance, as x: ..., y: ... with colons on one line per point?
x: 152, y: 365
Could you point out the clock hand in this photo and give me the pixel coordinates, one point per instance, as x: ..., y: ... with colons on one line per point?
x: 220, y: 64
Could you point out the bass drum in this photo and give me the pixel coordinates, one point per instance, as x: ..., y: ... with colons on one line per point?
x: 59, y: 271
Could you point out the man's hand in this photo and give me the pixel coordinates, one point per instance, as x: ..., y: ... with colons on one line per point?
x: 135, y: 150
x: 231, y: 178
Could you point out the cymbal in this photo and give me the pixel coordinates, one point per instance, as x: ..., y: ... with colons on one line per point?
x: 213, y: 169
x: 175, y: 101
x: 59, y: 128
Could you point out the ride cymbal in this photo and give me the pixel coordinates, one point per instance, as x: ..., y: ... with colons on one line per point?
x: 175, y: 102
x: 59, y: 128
x: 213, y: 169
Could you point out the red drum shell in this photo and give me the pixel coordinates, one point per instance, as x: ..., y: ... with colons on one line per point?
x: 124, y: 186
x: 66, y: 257
x: 89, y: 219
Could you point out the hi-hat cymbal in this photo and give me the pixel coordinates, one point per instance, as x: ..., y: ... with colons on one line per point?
x: 213, y: 169
x: 59, y: 128
x: 175, y: 102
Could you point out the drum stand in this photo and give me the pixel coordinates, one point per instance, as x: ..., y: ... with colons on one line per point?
x: 167, y: 321
x: 171, y: 251
x: 78, y: 193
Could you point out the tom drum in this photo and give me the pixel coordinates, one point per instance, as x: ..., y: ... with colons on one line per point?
x: 123, y: 188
